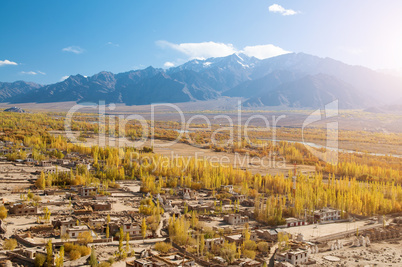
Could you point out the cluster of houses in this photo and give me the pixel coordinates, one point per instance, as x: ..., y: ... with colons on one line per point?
x: 171, y: 259
x: 89, y: 209
x: 70, y: 160
x: 298, y: 254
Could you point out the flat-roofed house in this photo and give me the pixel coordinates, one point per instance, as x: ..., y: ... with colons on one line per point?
x: 213, y: 242
x: 290, y: 222
x: 100, y: 206
x: 327, y: 214
x: 132, y: 229
x: 74, y: 231
x: 142, y: 263
x: 22, y: 209
x: 295, y: 257
x: 86, y: 191
x: 96, y: 223
x: 45, y: 163
x: 235, y: 219
x: 65, y: 224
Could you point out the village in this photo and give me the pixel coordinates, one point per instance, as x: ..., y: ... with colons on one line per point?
x: 113, y: 223
x: 200, y: 133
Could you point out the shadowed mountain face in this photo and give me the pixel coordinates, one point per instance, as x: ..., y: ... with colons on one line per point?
x: 262, y: 85
x: 10, y: 90
x: 291, y: 80
x: 311, y: 91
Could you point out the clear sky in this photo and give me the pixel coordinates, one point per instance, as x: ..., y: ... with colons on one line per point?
x: 43, y: 41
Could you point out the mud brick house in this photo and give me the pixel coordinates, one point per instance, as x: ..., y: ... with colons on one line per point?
x: 101, y: 206
x: 45, y: 163
x: 74, y: 231
x: 235, y: 219
x: 295, y: 257
x: 21, y: 209
x: 290, y: 222
x: 87, y: 191
x: 326, y: 214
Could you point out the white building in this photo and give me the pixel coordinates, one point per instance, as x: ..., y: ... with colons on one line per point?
x: 214, y: 241
x: 235, y: 219
x: 96, y: 223
x: 132, y: 229
x: 87, y: 191
x: 65, y: 224
x: 74, y: 231
x: 295, y: 257
x: 168, y: 206
x: 228, y: 188
x: 290, y: 222
x: 327, y: 214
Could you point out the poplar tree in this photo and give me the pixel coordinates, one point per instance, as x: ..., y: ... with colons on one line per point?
x: 143, y: 230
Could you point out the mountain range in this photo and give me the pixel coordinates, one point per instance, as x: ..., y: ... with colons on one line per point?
x: 294, y: 80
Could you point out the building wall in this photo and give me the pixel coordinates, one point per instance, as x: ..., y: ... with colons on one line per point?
x: 133, y: 230
x: 23, y: 210
x: 102, y: 206
x: 86, y: 191
x: 65, y: 226
x: 75, y: 233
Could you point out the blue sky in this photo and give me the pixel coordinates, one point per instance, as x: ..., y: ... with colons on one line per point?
x: 43, y: 41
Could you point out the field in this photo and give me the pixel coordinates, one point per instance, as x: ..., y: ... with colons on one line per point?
x: 358, y: 130
x: 171, y: 149
x: 357, y: 120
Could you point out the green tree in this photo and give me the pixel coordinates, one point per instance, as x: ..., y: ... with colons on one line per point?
x: 263, y: 247
x: 41, y: 181
x: 250, y: 245
x: 194, y: 219
x: 163, y: 247
x: 10, y: 244
x: 143, y: 229
x: 122, y: 253
x: 249, y: 254
x: 127, y: 242
x: 49, y: 253
x: 107, y: 231
x: 75, y: 254
x: 202, y: 244
x: 30, y: 195
x: 228, y: 251
x: 93, y: 259
x: 283, y: 241
x: 246, y: 233
x: 60, y: 257
x: 85, y: 238
x: 47, y: 213
x: 3, y: 212
x: 40, y: 260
